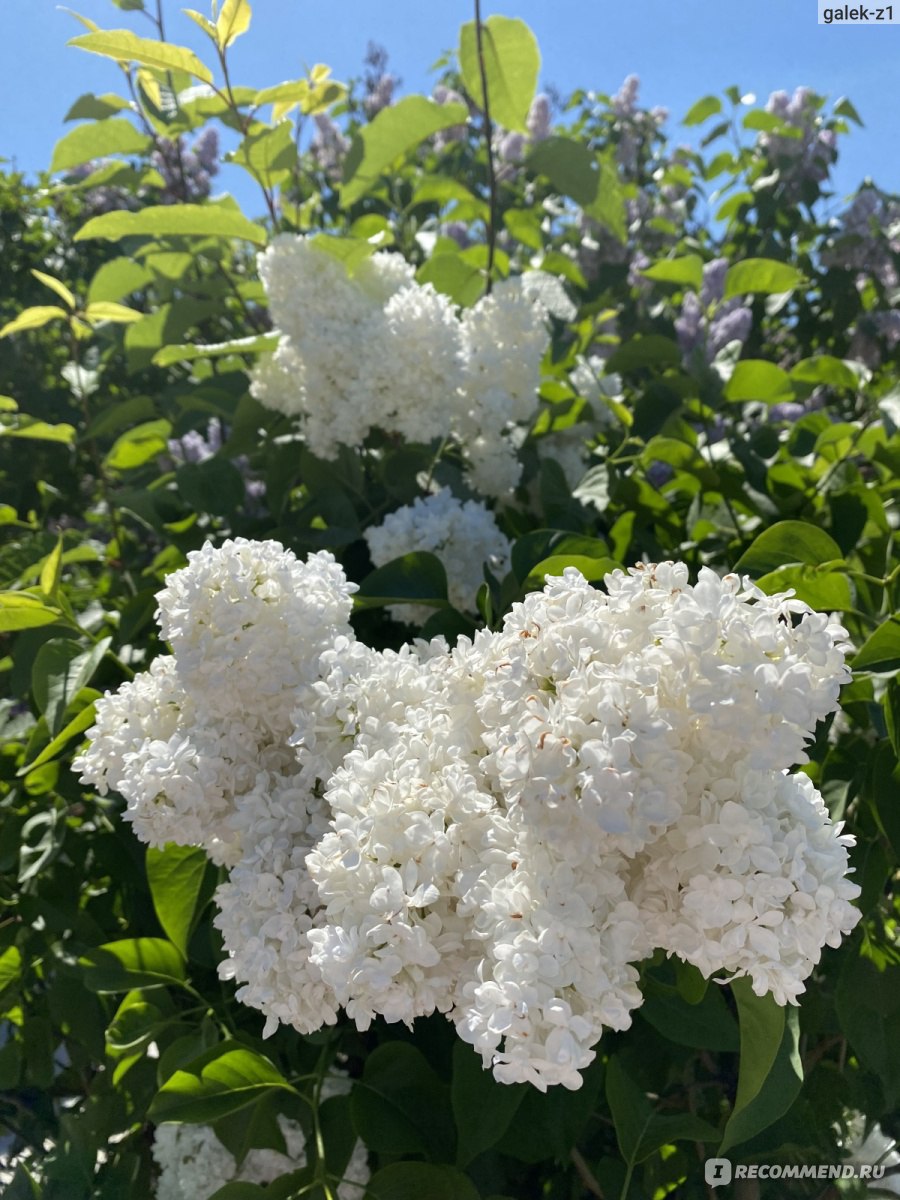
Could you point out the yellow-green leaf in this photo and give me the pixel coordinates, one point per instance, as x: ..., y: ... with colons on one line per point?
x: 33, y: 318
x: 96, y: 139
x: 125, y: 46
x: 204, y: 22
x: 51, y: 571
x: 234, y: 19
x: 139, y: 445
x: 173, y: 220
x: 55, y: 286
x: 108, y: 310
x: 20, y: 610
x: 511, y: 64
x: 39, y: 431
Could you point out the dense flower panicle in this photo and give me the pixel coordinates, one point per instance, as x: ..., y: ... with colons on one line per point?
x: 809, y: 155
x: 463, y: 535
x: 381, y: 351
x: 193, y: 1164
x: 210, y: 724
x: 500, y: 832
x: 707, y: 323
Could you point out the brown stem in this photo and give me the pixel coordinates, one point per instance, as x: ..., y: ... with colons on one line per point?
x: 489, y: 138
x: 244, y: 123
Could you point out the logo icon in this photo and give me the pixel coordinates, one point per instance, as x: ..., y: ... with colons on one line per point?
x: 717, y: 1171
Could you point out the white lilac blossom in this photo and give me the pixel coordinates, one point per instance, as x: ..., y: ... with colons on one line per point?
x: 208, y: 727
x: 381, y: 351
x: 500, y: 832
x: 193, y: 1164
x: 463, y: 535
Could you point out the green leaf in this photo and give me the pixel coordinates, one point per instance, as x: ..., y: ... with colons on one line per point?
x: 257, y: 344
x: 483, y: 1109
x: 125, y: 46
x: 204, y: 22
x: 892, y: 711
x: 10, y: 967
x: 234, y: 19
x: 569, y: 166
x: 844, y: 108
x: 176, y: 875
x: 764, y: 275
x: 61, y: 669
x: 51, y: 571
x: 55, y: 285
x: 139, y: 445
x: 823, y: 368
x: 699, y: 112
x: 117, y: 278
x: 591, y: 180
x: 511, y: 61
x: 33, y: 318
x: 173, y: 220
x: 788, y: 542
x: 542, y: 544
x: 822, y: 588
x: 395, y: 131
x: 222, y: 1080
x: 688, y: 269
x: 881, y: 649
x: 420, y: 1181
x: 89, y: 107
x: 770, y: 1074
x: 132, y: 963
x: 707, y: 1025
x: 640, y: 1132
x: 400, y: 1106
x: 108, y: 310
x: 451, y: 275
x: 79, y: 723
x: 19, y: 610
x: 756, y: 379
x: 417, y: 578
x: 593, y: 569
x: 268, y: 153
x: 39, y: 431
x: 98, y: 139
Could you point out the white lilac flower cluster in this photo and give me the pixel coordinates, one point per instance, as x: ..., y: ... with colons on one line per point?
x: 193, y: 1164
x: 463, y: 535
x: 500, y: 832
x: 380, y: 351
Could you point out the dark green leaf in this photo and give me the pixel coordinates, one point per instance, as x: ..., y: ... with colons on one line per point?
x: 788, y: 542
x: 881, y: 649
x: 401, y: 1106
x: 176, y: 875
x: 221, y: 1081
x: 483, y: 1109
x: 132, y: 963
x: 420, y: 1181
x: 418, y: 578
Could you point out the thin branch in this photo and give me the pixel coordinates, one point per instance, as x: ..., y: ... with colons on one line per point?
x: 489, y: 139
x: 585, y: 1174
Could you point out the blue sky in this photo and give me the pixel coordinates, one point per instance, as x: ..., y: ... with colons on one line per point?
x: 681, y: 49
